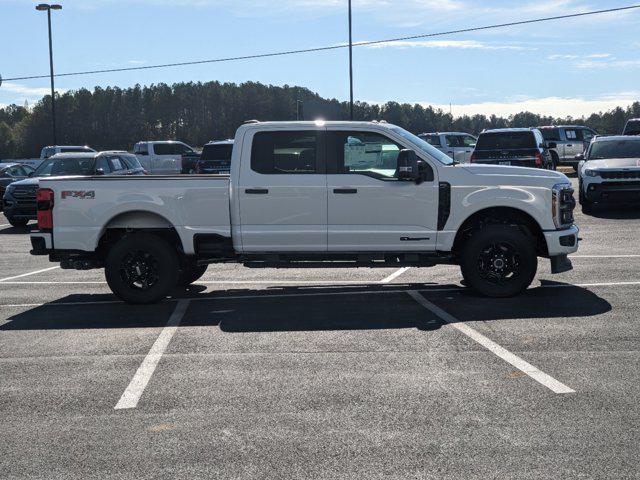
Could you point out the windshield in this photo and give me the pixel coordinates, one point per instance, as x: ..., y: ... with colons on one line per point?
x: 614, y: 149
x: 506, y: 141
x: 65, y: 166
x: 423, y: 146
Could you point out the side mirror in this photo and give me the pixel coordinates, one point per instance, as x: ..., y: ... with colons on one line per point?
x: 552, y: 145
x: 408, y: 165
x: 31, y: 174
x: 579, y: 157
x: 100, y: 171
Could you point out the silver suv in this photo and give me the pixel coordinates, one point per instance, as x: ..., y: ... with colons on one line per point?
x: 458, y: 145
x: 570, y: 140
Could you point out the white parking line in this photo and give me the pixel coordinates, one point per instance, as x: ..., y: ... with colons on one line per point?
x: 30, y: 273
x: 394, y: 275
x: 501, y: 352
x: 132, y: 394
x: 5, y: 224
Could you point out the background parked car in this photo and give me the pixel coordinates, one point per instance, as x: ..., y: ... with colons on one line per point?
x: 162, y: 157
x: 632, y: 127
x: 610, y: 172
x: 11, y: 172
x: 50, y: 151
x: 19, y: 199
x: 519, y: 147
x: 215, y: 158
x: 570, y: 140
x: 458, y: 145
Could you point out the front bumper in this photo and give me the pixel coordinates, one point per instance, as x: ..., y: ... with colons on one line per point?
x: 613, y: 192
x: 19, y: 209
x: 562, y: 242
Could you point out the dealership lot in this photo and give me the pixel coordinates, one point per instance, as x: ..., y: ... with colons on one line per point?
x: 324, y: 373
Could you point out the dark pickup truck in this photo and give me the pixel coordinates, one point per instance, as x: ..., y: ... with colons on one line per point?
x: 517, y: 147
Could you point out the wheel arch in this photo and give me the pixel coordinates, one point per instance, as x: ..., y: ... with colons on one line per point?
x: 500, y: 216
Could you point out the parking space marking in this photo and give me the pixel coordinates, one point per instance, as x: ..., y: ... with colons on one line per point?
x: 501, y: 352
x: 394, y: 275
x: 132, y: 394
x: 27, y: 274
x: 5, y: 224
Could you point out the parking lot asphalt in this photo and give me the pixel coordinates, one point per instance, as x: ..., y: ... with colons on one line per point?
x: 325, y: 373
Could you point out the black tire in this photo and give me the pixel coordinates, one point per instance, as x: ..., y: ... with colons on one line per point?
x: 499, y: 261
x: 18, y: 222
x: 575, y: 168
x: 141, y: 268
x: 189, y: 273
x: 585, y: 203
x: 554, y: 161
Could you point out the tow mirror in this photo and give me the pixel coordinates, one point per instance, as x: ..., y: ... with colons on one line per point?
x: 408, y: 165
x: 99, y: 171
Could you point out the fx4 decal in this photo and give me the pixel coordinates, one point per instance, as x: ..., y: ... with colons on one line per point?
x: 81, y: 194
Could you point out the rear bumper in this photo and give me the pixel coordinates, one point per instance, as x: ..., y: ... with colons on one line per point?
x: 510, y: 162
x: 41, y: 243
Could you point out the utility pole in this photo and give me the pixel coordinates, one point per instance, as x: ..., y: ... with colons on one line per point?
x: 350, y: 67
x: 46, y: 7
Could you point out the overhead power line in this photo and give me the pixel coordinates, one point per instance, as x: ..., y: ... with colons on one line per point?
x: 332, y: 47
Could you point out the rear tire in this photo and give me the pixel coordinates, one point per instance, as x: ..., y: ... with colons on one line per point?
x: 141, y: 268
x: 499, y: 261
x: 585, y: 203
x: 18, y: 222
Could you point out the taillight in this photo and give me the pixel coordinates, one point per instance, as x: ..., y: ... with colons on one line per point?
x: 473, y: 158
x: 44, y: 198
x: 538, y: 159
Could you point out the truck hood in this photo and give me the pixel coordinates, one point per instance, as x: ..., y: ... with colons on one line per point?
x: 508, y: 175
x: 27, y: 181
x: 613, y: 163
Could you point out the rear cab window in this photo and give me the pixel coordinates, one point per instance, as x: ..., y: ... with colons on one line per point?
x: 217, y: 152
x: 506, y: 141
x: 632, y: 127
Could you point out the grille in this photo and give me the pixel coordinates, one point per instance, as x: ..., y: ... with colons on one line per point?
x: 621, y: 175
x: 25, y: 193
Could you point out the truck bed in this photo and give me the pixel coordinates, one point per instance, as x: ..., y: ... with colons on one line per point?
x: 85, y: 207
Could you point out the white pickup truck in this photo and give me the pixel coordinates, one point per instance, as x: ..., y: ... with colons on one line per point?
x: 161, y: 157
x: 306, y: 193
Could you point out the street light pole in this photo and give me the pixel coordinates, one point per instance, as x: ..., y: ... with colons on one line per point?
x: 350, y: 67
x: 42, y: 7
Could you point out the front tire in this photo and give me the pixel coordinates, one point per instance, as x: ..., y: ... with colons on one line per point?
x: 585, y: 203
x: 189, y: 273
x: 499, y: 261
x: 141, y: 268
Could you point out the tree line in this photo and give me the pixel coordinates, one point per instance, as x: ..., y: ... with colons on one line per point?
x: 196, y: 112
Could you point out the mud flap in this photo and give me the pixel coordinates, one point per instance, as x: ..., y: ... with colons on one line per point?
x: 560, y: 264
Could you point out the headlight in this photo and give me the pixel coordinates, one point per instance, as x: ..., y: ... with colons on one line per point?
x: 562, y: 205
x: 591, y: 173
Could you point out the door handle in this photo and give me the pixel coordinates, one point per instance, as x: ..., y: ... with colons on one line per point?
x: 256, y: 191
x: 345, y: 191
x: 568, y: 145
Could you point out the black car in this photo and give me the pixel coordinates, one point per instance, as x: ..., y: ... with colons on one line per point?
x: 519, y: 147
x: 19, y: 199
x: 12, y: 172
x: 632, y: 127
x: 215, y: 158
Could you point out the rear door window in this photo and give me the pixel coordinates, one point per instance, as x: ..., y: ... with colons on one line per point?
x: 506, y: 141
x: 288, y: 152
x: 454, y: 141
x: 217, y: 152
x: 574, y: 134
x: 551, y: 134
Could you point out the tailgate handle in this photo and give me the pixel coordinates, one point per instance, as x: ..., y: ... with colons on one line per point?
x: 256, y: 191
x: 345, y: 191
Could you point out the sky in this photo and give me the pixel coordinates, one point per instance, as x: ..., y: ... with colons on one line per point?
x: 568, y: 67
